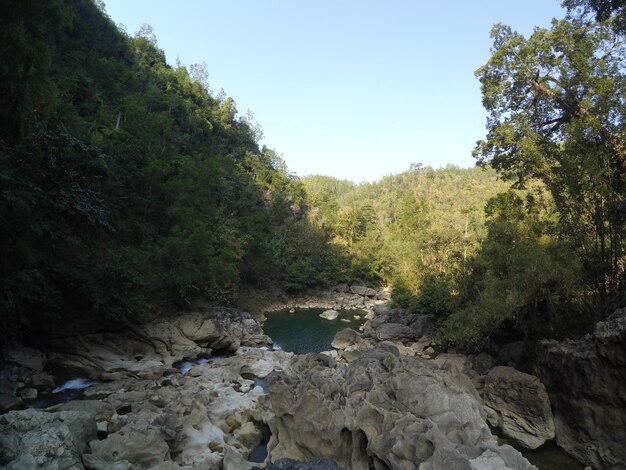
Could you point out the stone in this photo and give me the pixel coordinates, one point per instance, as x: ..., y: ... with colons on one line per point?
x: 518, y: 404
x: 148, y: 350
x: 329, y: 315
x: 344, y: 338
x: 395, y: 332
x: 42, y: 380
x: 381, y: 411
x: 40, y: 439
x: 460, y: 361
x: 15, y: 353
x: 585, y: 381
x: 28, y: 393
x: 95, y: 463
x: 363, y: 291
x: 290, y: 464
x: 141, y: 447
x: 483, y: 363
x: 382, y: 294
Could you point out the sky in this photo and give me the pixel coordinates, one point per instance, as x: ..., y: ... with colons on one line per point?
x: 352, y: 89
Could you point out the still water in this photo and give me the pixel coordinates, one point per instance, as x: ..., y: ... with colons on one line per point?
x: 304, y: 331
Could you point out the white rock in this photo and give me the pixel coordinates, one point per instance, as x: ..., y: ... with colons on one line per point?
x: 329, y: 315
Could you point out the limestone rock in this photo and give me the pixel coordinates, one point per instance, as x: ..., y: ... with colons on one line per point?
x: 38, y: 439
x: 518, y: 404
x: 382, y: 411
x: 329, y: 315
x: 364, y: 291
x: 146, y: 351
x: 15, y: 353
x: 585, y: 380
x: 141, y: 447
x: 344, y: 338
x: 290, y: 464
x: 398, y: 325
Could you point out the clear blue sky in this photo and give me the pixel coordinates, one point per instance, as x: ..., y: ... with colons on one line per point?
x: 352, y: 89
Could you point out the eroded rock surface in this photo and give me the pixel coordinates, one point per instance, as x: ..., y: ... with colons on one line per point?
x: 210, y: 418
x: 586, y: 381
x: 37, y: 439
x: 146, y: 350
x: 382, y: 410
x: 290, y: 464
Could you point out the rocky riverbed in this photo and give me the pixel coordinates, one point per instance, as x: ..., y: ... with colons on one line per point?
x: 385, y: 397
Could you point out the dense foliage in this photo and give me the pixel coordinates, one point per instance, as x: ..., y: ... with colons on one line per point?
x: 126, y: 186
x: 416, y: 231
x: 556, y: 102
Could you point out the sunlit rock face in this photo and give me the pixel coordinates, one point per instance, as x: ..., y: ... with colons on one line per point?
x: 384, y: 410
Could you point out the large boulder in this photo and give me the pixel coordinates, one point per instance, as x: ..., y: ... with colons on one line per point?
x: 518, y: 404
x: 398, y: 325
x: 585, y: 381
x: 344, y: 338
x: 382, y: 411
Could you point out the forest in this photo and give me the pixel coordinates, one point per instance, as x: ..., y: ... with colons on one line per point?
x: 129, y: 189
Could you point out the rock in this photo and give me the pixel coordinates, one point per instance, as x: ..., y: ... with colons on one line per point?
x: 395, y: 332
x: 381, y: 309
x: 483, y: 363
x: 363, y: 291
x: 15, y: 353
x: 585, y: 381
x: 42, y: 380
x: 341, y: 288
x: 369, y: 314
x: 28, y: 393
x: 95, y: 463
x: 382, y: 294
x: 518, y: 404
x: 141, y: 447
x: 460, y: 361
x: 290, y: 464
x: 148, y: 350
x: 39, y: 439
x: 381, y: 411
x: 398, y: 325
x: 344, y: 338
x: 329, y: 314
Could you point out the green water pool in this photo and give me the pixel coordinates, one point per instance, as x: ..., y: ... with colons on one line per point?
x: 303, y: 331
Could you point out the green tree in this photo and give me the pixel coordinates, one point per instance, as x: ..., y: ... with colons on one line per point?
x: 522, y: 277
x: 556, y: 105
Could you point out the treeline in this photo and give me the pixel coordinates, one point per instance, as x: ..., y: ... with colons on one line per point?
x: 417, y: 231
x: 541, y: 253
x: 127, y: 187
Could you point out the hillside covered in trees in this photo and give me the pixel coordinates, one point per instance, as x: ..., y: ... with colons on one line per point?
x: 129, y: 189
